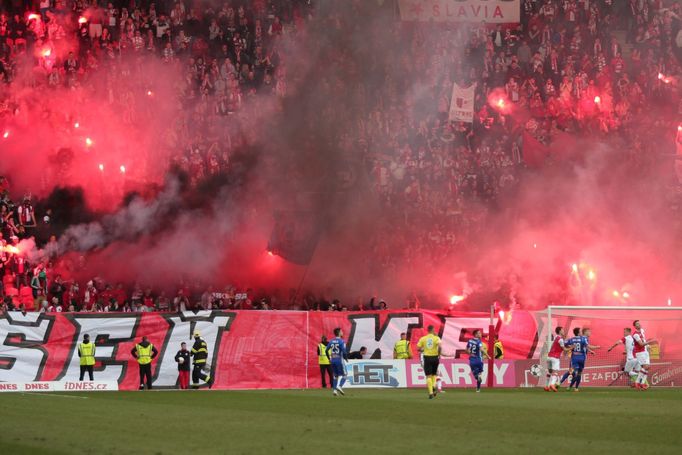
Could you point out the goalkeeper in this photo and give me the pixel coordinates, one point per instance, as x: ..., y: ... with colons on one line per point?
x: 200, y: 355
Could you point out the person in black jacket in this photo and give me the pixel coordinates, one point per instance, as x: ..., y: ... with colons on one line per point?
x: 200, y: 354
x: 183, y: 360
x: 357, y: 355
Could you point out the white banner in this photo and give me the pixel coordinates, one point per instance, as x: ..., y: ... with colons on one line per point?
x: 462, y: 103
x: 490, y: 11
x: 376, y: 373
x: 59, y: 386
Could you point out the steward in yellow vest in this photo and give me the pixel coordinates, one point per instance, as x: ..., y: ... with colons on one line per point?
x: 86, y: 352
x: 324, y: 363
x: 402, y: 350
x: 145, y: 352
x: 499, y: 350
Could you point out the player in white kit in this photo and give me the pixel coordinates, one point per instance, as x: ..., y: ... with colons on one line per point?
x: 631, y: 367
x: 641, y: 351
x: 554, y: 359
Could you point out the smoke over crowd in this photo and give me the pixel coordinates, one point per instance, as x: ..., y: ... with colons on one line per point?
x: 350, y: 139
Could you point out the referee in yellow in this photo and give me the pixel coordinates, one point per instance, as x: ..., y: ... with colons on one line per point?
x: 429, y: 346
x: 402, y: 350
x: 86, y: 352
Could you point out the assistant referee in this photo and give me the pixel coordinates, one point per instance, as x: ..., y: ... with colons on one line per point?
x: 429, y: 346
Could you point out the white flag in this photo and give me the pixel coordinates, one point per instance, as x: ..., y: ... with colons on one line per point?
x: 462, y: 103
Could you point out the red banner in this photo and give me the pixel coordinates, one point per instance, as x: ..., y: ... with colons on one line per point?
x: 248, y: 349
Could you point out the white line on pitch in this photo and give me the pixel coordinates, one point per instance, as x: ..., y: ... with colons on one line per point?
x: 43, y: 394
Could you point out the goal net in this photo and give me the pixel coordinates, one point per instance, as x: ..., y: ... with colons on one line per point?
x: 608, y: 325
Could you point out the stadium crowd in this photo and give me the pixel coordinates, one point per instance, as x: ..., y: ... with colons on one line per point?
x: 571, y: 68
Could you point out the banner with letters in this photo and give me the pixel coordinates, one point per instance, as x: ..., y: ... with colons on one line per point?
x: 477, y: 11
x: 462, y: 103
x: 59, y: 386
x: 277, y: 349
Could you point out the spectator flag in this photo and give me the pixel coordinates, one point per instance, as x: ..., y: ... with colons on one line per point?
x: 534, y: 152
x: 678, y: 156
x: 462, y: 103
x: 295, y: 236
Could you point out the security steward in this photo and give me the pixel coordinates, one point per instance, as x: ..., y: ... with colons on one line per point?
x: 325, y: 363
x: 86, y: 352
x: 499, y: 350
x: 200, y: 354
x: 402, y: 350
x: 145, y: 352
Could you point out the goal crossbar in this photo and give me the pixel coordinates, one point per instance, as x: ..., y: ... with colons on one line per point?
x: 553, y: 308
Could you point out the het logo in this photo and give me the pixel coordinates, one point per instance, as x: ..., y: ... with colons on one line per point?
x: 372, y: 373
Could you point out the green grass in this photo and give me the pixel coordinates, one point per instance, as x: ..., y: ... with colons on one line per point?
x: 365, y: 421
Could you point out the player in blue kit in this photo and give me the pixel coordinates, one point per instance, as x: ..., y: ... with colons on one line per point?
x: 477, y: 353
x: 337, y: 353
x: 569, y: 373
x: 579, y: 347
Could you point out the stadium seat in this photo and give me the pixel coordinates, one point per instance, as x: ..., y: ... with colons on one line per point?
x: 11, y: 291
x: 8, y: 280
x: 26, y: 291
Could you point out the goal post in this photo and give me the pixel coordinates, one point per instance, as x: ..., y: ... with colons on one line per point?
x: 608, y: 326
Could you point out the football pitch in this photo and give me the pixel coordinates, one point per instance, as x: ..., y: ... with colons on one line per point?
x: 364, y: 421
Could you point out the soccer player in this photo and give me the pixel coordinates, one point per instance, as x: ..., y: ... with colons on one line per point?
x: 569, y: 350
x: 337, y: 353
x: 580, y: 346
x: 631, y: 365
x: 554, y: 359
x: 429, y: 346
x: 476, y: 355
x: 641, y: 351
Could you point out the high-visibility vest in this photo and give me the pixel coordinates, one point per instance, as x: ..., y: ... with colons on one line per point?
x: 87, y: 352
x: 322, y: 358
x: 144, y: 355
x: 499, y: 350
x: 402, y: 349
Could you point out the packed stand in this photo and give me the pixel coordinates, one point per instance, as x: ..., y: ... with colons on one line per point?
x: 572, y: 67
